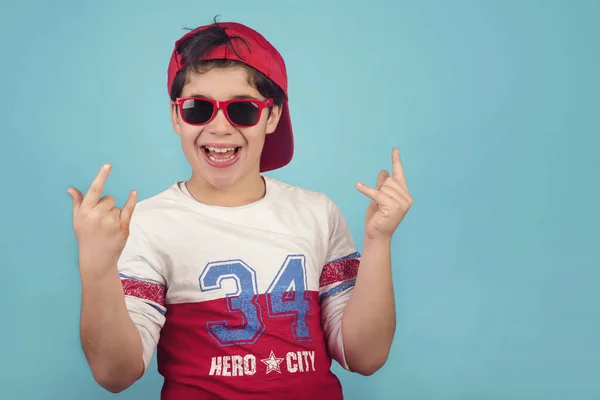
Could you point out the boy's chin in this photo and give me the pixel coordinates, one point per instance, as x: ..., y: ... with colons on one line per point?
x: 222, y: 183
x: 221, y: 179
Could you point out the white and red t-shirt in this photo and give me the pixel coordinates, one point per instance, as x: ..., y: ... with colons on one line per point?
x: 241, y: 302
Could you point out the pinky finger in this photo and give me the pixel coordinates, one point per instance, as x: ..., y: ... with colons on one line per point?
x: 127, y: 211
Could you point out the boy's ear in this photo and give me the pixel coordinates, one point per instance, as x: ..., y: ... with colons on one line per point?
x: 175, y: 118
x: 273, y: 119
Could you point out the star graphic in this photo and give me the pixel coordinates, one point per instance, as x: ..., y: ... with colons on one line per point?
x: 272, y: 363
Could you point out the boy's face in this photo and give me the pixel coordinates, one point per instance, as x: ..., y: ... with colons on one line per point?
x: 223, y: 169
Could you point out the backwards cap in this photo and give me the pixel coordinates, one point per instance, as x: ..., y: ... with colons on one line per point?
x: 261, y: 55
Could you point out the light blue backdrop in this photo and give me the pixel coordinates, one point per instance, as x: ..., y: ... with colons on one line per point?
x: 493, y: 104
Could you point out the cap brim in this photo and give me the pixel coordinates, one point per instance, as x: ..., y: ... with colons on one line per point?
x: 279, y: 145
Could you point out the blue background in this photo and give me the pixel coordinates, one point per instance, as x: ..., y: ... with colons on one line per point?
x: 493, y: 104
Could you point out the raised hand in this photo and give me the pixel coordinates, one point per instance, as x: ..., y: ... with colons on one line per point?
x: 101, y: 228
x: 390, y: 201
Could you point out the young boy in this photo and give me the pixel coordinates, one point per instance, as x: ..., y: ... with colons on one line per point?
x: 247, y: 287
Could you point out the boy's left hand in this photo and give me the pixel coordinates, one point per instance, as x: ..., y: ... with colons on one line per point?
x: 391, y: 201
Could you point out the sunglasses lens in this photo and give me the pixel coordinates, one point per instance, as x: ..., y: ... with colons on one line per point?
x: 197, y: 111
x: 243, y: 113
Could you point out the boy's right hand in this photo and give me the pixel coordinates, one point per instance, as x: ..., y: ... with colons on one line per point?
x: 101, y: 228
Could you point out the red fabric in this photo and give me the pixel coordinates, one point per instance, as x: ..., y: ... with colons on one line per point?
x: 144, y: 290
x: 195, y: 366
x: 339, y: 271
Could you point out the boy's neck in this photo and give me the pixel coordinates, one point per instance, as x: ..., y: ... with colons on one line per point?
x: 247, y: 191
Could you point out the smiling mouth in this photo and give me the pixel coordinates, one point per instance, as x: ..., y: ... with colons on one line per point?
x: 221, y: 155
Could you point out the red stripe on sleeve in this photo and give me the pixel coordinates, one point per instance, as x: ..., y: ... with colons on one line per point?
x: 339, y: 271
x: 144, y: 290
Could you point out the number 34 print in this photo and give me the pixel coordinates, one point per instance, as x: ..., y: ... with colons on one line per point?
x: 286, y: 297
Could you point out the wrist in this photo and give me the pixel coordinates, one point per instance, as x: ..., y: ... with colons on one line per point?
x: 95, y: 275
x: 377, y: 241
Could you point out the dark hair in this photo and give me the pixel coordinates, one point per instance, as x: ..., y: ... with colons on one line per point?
x: 193, y: 48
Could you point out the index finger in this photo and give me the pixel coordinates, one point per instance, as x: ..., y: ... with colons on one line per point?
x: 397, y: 170
x: 94, y: 192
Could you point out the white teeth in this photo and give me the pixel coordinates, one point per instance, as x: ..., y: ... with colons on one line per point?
x: 217, y: 150
x: 221, y: 159
x: 220, y: 150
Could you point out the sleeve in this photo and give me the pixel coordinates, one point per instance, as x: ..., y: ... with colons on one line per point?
x: 144, y: 287
x: 337, y: 282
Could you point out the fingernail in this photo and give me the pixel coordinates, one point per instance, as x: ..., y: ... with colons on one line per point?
x: 106, y: 167
x: 134, y: 193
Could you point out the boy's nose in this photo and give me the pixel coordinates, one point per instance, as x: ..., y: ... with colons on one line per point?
x: 220, y: 125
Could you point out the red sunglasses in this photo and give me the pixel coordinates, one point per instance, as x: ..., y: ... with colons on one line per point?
x: 243, y: 113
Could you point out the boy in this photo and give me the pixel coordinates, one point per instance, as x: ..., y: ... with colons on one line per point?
x: 247, y: 287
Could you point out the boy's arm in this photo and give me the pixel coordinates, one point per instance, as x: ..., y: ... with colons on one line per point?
x: 110, y: 340
x: 120, y: 320
x: 357, y: 301
x: 369, y: 320
x: 360, y: 321
x: 122, y: 315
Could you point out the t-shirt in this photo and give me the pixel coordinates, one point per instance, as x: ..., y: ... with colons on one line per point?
x: 241, y: 302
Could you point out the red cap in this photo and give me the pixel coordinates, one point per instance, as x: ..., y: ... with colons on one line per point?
x: 261, y: 55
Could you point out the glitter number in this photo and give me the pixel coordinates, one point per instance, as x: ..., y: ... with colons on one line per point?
x: 287, y: 297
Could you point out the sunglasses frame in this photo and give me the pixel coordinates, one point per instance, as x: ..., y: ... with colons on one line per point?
x: 222, y: 105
